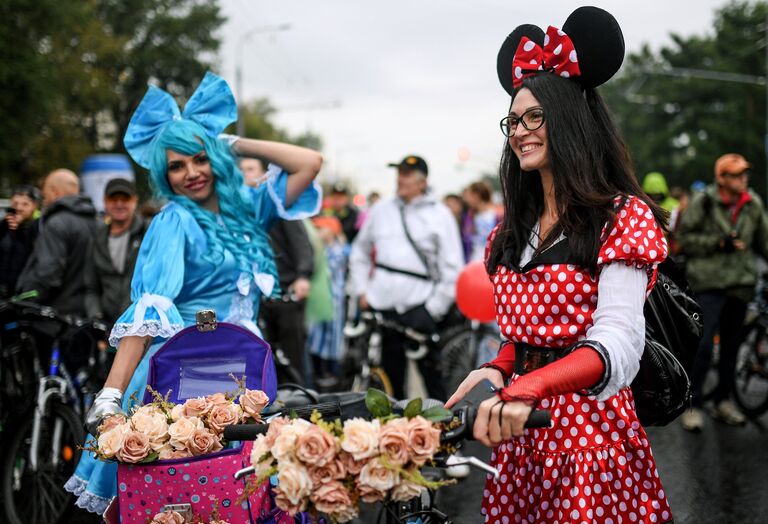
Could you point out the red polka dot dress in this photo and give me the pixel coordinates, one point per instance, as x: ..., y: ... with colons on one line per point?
x: 594, y: 465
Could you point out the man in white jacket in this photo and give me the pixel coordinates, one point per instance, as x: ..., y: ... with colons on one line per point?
x: 404, y: 263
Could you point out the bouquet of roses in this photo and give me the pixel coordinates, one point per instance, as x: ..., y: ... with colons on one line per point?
x: 173, y: 517
x: 163, y: 430
x: 329, y: 467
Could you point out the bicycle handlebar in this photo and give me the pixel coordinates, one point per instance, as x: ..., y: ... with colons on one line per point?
x: 466, y: 416
x: 49, y: 313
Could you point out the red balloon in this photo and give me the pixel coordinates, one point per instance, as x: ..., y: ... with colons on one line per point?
x: 474, y: 293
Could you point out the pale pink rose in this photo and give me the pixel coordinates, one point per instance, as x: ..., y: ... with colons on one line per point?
x: 284, y: 447
x: 135, y: 448
x: 275, y: 425
x: 333, y: 470
x: 154, y: 425
x: 295, y: 482
x: 331, y: 497
x: 361, y: 438
x: 167, y: 453
x: 223, y: 415
x: 316, y: 447
x: 111, y: 422
x: 148, y: 409
x: 284, y: 503
x: 378, y: 476
x: 168, y: 517
x: 406, y: 490
x: 253, y: 401
x: 353, y: 466
x: 181, y: 431
x: 203, y: 441
x: 197, y: 407
x: 393, y: 441
x: 369, y: 494
x: 177, y: 412
x: 217, y: 399
x: 346, y: 513
x: 423, y: 440
x: 261, y: 458
x: 111, y: 441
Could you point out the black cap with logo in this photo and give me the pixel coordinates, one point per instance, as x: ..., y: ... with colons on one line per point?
x: 411, y: 163
x: 120, y: 185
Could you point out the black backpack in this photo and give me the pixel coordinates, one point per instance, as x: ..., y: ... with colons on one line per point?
x: 673, y: 327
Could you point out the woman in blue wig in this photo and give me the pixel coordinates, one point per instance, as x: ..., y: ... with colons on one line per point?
x: 207, y: 249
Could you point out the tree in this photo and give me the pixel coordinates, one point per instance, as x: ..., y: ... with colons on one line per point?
x: 71, y: 73
x: 679, y: 126
x: 259, y: 114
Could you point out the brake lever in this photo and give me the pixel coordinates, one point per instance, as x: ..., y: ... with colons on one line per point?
x: 453, y: 460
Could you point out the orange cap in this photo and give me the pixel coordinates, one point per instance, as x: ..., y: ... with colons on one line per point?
x: 732, y: 164
x: 328, y: 222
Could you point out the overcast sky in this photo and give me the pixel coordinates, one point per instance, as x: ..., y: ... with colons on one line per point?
x: 379, y: 80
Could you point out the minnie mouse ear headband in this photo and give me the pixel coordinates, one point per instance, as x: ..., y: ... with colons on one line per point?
x: 589, y: 49
x: 212, y: 106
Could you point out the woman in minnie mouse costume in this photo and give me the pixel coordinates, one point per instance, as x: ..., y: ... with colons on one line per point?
x: 571, y: 265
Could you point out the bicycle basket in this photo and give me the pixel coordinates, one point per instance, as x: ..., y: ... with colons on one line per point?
x: 195, y: 363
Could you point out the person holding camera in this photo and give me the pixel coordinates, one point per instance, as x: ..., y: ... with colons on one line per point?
x: 721, y: 231
x: 18, y: 232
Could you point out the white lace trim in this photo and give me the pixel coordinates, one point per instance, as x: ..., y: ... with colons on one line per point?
x: 273, y: 172
x: 151, y: 328
x: 85, y: 499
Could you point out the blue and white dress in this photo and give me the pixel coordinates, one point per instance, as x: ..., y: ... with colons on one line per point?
x: 171, y: 282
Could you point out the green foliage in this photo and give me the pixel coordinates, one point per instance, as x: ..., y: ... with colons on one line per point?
x: 377, y: 403
x: 437, y: 414
x: 413, y: 408
x: 72, y: 72
x: 680, y: 125
x: 259, y: 115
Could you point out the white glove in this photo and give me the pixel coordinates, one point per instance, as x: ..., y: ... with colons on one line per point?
x: 230, y: 141
x: 108, y: 402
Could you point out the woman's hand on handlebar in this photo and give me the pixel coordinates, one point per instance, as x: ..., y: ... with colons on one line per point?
x: 472, y: 380
x: 498, y: 421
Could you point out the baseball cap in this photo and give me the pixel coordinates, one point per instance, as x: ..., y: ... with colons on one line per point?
x: 412, y: 162
x: 339, y: 189
x: 120, y: 185
x: 732, y: 164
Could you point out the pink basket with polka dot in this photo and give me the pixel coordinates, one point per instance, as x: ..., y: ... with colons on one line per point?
x: 194, y: 486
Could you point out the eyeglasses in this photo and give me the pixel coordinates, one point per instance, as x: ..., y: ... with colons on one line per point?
x: 532, y: 120
x: 746, y: 172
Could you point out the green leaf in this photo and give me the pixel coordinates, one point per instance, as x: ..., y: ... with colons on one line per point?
x: 377, y: 403
x: 437, y: 414
x: 151, y: 457
x: 413, y: 408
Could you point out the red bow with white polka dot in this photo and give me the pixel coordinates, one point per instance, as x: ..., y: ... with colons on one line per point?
x: 558, y: 56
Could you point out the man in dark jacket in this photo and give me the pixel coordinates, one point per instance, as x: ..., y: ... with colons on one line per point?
x: 112, y: 253
x: 18, y: 232
x: 284, y: 319
x: 55, y: 269
x: 722, y: 230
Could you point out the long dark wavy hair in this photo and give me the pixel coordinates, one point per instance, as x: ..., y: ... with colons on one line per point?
x: 590, y: 167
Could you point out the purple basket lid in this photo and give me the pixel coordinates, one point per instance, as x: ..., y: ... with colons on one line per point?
x: 194, y: 363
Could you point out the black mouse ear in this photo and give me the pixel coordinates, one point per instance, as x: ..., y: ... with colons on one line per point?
x: 507, y: 52
x: 599, y: 44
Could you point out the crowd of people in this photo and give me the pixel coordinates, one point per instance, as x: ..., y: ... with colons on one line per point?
x: 571, y: 245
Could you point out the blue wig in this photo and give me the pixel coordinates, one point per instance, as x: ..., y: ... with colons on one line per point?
x: 241, y: 234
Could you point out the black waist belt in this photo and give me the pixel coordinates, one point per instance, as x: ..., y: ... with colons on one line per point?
x: 402, y: 271
x: 529, y: 358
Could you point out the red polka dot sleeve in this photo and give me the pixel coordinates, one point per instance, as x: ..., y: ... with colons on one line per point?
x: 635, y: 239
x: 488, y: 244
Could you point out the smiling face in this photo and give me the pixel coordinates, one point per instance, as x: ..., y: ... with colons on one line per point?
x: 192, y: 177
x: 529, y: 146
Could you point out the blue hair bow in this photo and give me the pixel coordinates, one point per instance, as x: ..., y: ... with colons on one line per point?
x: 212, y: 106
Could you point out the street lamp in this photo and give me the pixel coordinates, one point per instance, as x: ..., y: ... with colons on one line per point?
x: 239, y: 66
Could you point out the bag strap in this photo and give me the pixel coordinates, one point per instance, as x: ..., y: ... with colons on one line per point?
x: 419, y: 253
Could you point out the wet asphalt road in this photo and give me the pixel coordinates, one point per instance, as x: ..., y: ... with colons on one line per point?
x: 718, y: 476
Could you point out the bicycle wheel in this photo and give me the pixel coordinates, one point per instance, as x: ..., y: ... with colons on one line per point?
x: 377, y: 378
x: 38, y: 497
x: 465, y: 351
x: 751, y: 380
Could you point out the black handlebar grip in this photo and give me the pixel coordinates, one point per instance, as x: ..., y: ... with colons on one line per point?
x: 244, y: 431
x: 539, y: 418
